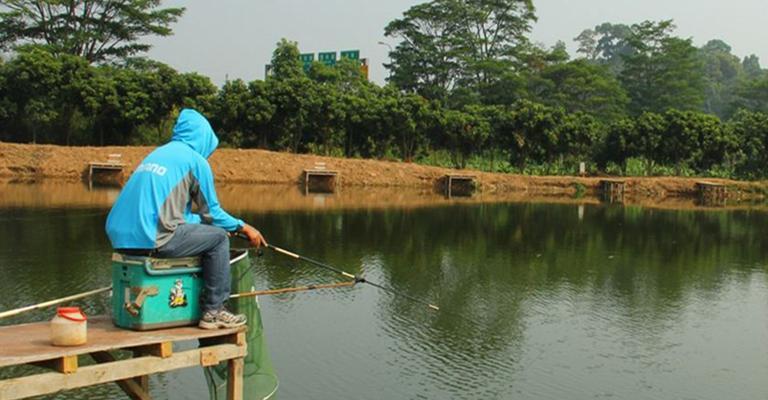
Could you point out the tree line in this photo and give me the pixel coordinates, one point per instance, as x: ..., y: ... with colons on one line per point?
x: 467, y: 88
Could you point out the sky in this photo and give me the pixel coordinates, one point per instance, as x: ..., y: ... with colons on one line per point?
x: 235, y: 38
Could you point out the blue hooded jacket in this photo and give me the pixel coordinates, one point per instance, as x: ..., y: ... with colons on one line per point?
x: 159, y: 195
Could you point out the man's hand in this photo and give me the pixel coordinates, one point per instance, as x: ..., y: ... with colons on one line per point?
x: 254, y: 236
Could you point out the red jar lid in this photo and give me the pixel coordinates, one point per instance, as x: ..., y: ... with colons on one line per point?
x: 71, y: 313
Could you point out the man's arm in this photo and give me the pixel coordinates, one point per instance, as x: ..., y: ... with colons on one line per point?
x: 210, y: 211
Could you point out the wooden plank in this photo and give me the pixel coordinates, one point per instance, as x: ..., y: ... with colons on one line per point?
x: 29, y: 343
x: 235, y: 379
x: 134, y: 390
x: 36, y: 385
x: 64, y: 365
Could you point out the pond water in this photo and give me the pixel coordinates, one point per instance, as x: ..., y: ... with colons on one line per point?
x: 538, y: 301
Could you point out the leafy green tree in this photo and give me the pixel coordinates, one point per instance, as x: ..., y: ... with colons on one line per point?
x: 752, y: 95
x: 663, y: 71
x: 325, y: 127
x: 448, y: 42
x: 723, y: 71
x: 292, y: 100
x: 617, y: 147
x: 751, y: 65
x: 465, y: 133
x: 580, y: 86
x: 532, y: 133
x: 32, y: 82
x: 411, y: 129
x: 493, y: 38
x: 579, y: 137
x: 606, y: 44
x: 285, y: 61
x: 426, y: 60
x: 693, y: 139
x: 97, y: 30
x: 750, y: 131
x: 646, y: 139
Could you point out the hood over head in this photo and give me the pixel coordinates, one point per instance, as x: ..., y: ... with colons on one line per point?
x: 194, y: 130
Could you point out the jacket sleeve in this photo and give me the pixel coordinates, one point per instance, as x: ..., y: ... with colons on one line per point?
x: 208, y: 208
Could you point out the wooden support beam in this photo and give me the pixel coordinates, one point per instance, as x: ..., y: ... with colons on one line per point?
x: 162, y: 350
x: 237, y: 338
x: 235, y: 379
x: 208, y: 358
x: 65, y: 364
x: 40, y: 384
x: 134, y: 390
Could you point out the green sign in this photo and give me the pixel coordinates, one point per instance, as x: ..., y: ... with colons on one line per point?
x: 327, y: 58
x: 307, y: 57
x: 351, y: 54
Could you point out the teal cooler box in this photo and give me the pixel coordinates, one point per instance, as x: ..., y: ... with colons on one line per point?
x: 153, y: 293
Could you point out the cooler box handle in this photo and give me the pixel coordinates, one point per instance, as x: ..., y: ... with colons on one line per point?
x: 170, y: 271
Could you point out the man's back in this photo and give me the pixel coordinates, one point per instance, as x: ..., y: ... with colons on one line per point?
x: 159, y: 194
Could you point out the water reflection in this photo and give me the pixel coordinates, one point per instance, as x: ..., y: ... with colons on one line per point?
x: 565, y: 300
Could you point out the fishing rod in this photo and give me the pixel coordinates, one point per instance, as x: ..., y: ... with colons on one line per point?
x: 357, y: 278
x: 49, y: 303
x: 292, y: 289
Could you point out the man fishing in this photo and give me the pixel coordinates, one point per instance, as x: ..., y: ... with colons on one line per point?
x: 153, y: 215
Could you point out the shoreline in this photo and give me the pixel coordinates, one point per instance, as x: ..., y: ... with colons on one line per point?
x: 29, y: 162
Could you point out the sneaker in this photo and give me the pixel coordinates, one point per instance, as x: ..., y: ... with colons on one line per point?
x: 221, y: 319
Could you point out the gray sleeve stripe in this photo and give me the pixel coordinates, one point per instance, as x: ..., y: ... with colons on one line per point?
x: 172, y: 212
x: 199, y: 199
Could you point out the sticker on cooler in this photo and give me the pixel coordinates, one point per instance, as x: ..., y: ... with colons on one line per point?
x: 177, y: 298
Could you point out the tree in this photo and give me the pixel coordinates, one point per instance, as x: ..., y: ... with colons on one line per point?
x: 751, y: 65
x: 285, y: 61
x: 662, y: 72
x: 752, y: 95
x: 692, y: 139
x: 750, y: 130
x: 493, y: 37
x: 646, y: 139
x: 32, y: 86
x: 723, y: 71
x: 616, y: 148
x: 531, y: 134
x: 466, y: 42
x: 98, y: 30
x: 465, y: 133
x: 580, y: 86
x: 606, y: 44
x: 579, y: 135
x: 425, y: 60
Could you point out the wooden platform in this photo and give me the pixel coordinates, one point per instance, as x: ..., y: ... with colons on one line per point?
x: 113, y: 164
x: 152, y: 353
x: 459, y: 185
x: 320, y: 180
x: 612, y: 190
x: 712, y: 193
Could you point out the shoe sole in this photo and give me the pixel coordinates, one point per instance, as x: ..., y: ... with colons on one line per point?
x: 219, y: 325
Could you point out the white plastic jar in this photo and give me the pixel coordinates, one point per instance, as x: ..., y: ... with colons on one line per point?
x: 69, y: 327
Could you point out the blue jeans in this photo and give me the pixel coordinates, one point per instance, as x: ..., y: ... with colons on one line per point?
x: 212, y: 245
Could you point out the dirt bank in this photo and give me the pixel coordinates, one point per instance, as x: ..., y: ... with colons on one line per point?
x: 25, y: 161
